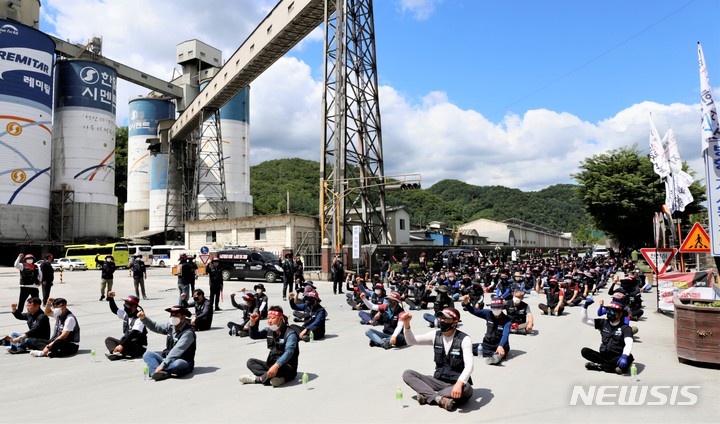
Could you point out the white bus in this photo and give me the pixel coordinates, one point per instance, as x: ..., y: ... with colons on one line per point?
x: 143, y: 249
x: 166, y: 255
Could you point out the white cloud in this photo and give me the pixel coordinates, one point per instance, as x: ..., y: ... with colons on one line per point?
x: 419, y: 9
x: 431, y: 136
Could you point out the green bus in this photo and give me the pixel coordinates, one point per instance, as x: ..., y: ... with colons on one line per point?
x: 87, y: 253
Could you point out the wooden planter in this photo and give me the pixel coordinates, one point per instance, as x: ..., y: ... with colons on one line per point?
x: 697, y: 333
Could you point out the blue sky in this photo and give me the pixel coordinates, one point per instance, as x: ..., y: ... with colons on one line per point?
x: 479, y: 90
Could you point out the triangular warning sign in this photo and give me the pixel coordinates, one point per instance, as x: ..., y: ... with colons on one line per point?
x: 658, y: 259
x: 697, y: 240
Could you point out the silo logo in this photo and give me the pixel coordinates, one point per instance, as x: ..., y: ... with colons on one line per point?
x: 89, y: 75
x: 13, y: 128
x: 8, y: 29
x: 18, y: 175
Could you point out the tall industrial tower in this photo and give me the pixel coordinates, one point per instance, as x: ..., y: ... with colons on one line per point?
x: 352, y: 188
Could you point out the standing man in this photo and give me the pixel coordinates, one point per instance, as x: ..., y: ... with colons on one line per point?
x: 38, y: 328
x: 282, y: 361
x: 405, y: 264
x: 178, y: 358
x: 133, y: 343
x: 65, y: 340
x: 203, y: 310
x: 29, y: 278
x: 107, y: 269
x: 451, y: 384
x: 216, y: 282
x: 288, y: 274
x: 384, y: 268
x: 338, y: 274
x: 47, y: 276
x: 186, y: 276
x: 139, y: 274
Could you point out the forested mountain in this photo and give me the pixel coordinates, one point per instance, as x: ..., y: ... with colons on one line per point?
x: 556, y: 207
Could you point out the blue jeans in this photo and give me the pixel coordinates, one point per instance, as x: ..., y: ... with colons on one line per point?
x: 183, y: 288
x: 430, y: 318
x: 179, y: 367
x: 379, y: 337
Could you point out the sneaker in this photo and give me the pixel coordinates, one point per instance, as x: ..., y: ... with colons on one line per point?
x: 619, y: 371
x: 386, y: 345
x: 446, y: 403
x: 284, y: 298
x: 113, y: 356
x: 248, y: 379
x: 37, y: 353
x: 492, y: 360
x: 521, y: 331
x: 15, y: 350
x: 422, y: 400
x: 306, y: 338
x: 145, y: 298
x: 160, y: 375
x: 277, y: 381
x: 373, y: 344
x: 591, y: 366
x: 102, y: 297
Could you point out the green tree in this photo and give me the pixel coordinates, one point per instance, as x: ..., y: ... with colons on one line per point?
x: 121, y: 157
x: 620, y: 191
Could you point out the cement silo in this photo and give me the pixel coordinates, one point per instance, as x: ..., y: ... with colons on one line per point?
x: 83, y: 159
x: 146, y: 174
x: 26, y: 70
x: 235, y: 122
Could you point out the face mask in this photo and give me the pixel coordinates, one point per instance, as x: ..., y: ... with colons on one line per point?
x: 258, y: 291
x: 174, y: 321
x: 30, y: 261
x: 518, y: 279
x: 496, y: 311
x: 57, y: 311
x: 612, y: 316
x: 378, y: 292
x: 516, y: 300
x: 451, y: 278
x: 127, y: 310
x: 195, y: 298
x: 273, y: 327
x: 418, y: 285
x: 553, y: 286
x: 445, y: 326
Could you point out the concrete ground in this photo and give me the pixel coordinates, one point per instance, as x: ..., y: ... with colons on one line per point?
x: 349, y: 381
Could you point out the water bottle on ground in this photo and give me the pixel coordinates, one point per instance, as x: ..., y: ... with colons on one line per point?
x: 93, y: 355
x: 633, y: 373
x: 233, y: 331
x: 312, y: 337
x: 146, y: 372
x: 304, y: 380
x: 399, y: 401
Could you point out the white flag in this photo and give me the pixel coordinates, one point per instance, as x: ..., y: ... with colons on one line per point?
x: 658, y: 154
x: 672, y: 153
x: 710, y: 127
x: 677, y: 191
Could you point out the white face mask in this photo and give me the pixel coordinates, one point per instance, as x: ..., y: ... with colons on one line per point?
x: 378, y: 292
x: 57, y: 311
x: 496, y: 311
x: 273, y: 327
x: 30, y: 261
x: 517, y: 300
x: 174, y: 321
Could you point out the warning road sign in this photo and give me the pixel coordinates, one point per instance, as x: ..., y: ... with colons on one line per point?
x: 204, y: 259
x: 697, y: 240
x: 658, y: 259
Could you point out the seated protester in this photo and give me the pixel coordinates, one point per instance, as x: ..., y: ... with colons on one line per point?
x: 38, y: 333
x: 249, y: 306
x: 451, y: 384
x: 387, y: 316
x: 633, y: 299
x: 178, y: 358
x: 476, y: 291
x: 65, y: 340
x: 133, y: 343
x: 442, y: 301
x: 282, y: 361
x: 299, y: 314
x: 590, y: 280
x: 519, y: 313
x: 505, y: 287
x: 262, y: 300
x: 203, y: 310
x: 616, y: 341
x: 519, y: 280
x: 314, y: 317
x: 453, y: 285
x: 402, y: 288
x: 554, y: 297
x: 415, y: 295
x: 495, y: 344
x: 571, y: 291
x: 620, y: 299
x: 353, y: 295
x: 377, y: 297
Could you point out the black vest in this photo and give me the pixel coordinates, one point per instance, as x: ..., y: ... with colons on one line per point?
x: 310, y: 316
x: 174, y: 336
x: 128, y: 323
x: 276, y: 344
x: 494, y: 332
x: 390, y: 319
x: 60, y: 325
x: 518, y: 313
x: 612, y: 338
x: 448, y: 367
x: 48, y: 273
x: 376, y: 300
x: 215, y: 275
x: 29, y: 275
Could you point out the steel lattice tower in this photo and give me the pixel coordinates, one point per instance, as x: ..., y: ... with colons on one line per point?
x: 352, y: 188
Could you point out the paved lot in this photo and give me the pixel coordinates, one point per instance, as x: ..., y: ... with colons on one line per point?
x: 349, y: 381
